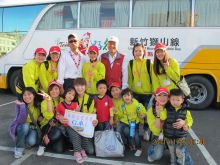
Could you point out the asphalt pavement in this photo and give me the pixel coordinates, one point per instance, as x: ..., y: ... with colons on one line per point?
x: 203, y: 142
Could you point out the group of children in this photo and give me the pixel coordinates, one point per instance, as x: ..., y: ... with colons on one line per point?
x: 167, y: 116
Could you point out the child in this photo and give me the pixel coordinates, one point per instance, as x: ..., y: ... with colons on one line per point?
x: 86, y: 103
x: 156, y: 148
x: 79, y: 143
x: 130, y: 113
x: 178, y: 121
x: 104, y: 106
x: 51, y: 133
x: 93, y: 71
x: 115, y: 90
x: 24, y: 128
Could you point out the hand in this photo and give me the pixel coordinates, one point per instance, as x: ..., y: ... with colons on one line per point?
x: 141, y: 116
x: 95, y: 123
x: 40, y: 118
x: 114, y: 109
x: 111, y: 122
x: 45, y: 95
x: 90, y: 74
x: 179, y: 124
x: 159, y: 108
x: 166, y: 64
x: 64, y: 120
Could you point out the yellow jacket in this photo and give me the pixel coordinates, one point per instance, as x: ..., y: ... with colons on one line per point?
x: 30, y: 73
x: 131, y: 112
x: 163, y: 80
x: 117, y: 104
x: 35, y: 112
x: 47, y: 116
x: 139, y: 80
x: 47, y: 75
x: 98, y: 73
x: 151, y: 119
x: 85, y: 102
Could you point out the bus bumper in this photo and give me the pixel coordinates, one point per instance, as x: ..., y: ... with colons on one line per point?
x: 3, y: 82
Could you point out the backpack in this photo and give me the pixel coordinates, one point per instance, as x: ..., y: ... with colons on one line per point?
x: 147, y: 65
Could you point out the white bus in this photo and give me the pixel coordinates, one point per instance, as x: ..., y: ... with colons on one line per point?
x: 189, y: 28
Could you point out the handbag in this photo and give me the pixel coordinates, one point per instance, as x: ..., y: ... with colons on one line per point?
x: 108, y: 143
x: 183, y: 86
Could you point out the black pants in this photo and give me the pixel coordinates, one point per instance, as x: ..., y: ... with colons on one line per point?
x: 55, y: 136
x: 68, y: 83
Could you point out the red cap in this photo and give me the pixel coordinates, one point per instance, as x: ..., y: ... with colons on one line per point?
x: 55, y: 49
x: 115, y: 84
x: 41, y: 50
x: 160, y: 46
x: 94, y: 49
x: 161, y: 90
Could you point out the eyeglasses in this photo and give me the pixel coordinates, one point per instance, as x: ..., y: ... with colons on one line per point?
x: 71, y: 41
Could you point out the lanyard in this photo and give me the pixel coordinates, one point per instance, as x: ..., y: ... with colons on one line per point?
x: 74, y: 60
x: 139, y: 70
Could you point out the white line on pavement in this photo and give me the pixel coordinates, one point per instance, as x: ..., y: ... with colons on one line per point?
x: 204, y: 151
x: 1, y: 105
x: 69, y: 157
x: 20, y: 160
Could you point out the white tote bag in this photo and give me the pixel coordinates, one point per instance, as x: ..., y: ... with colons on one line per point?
x: 108, y: 143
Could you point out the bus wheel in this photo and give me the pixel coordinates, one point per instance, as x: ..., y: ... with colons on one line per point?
x: 202, y: 92
x: 13, y: 80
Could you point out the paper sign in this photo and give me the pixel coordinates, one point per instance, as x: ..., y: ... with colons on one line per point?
x: 81, y: 122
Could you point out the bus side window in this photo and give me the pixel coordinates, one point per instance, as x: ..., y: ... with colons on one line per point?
x: 110, y: 13
x: 60, y: 16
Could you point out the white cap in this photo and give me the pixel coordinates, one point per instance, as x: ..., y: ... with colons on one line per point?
x: 114, y: 39
x: 73, y: 35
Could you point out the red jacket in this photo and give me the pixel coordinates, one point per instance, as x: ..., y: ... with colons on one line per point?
x: 113, y: 74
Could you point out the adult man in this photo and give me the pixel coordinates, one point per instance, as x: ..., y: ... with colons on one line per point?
x: 115, y: 64
x: 70, y: 63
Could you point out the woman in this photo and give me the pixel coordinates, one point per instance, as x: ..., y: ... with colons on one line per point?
x: 29, y: 76
x: 24, y: 127
x: 166, y: 69
x: 48, y: 70
x: 139, y: 78
x: 51, y: 133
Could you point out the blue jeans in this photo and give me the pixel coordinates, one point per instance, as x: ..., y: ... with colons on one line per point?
x: 123, y: 129
x: 155, y: 151
x: 26, y: 136
x: 179, y: 153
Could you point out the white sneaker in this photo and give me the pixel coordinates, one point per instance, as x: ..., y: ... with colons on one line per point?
x: 18, y: 152
x: 146, y: 135
x: 149, y: 159
x: 138, y: 153
x: 40, y: 151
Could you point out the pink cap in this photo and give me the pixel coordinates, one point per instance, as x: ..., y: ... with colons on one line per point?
x: 160, y: 46
x: 161, y: 90
x: 41, y: 50
x: 55, y: 49
x: 93, y: 48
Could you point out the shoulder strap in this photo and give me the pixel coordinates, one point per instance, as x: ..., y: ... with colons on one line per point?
x: 148, y: 69
x: 35, y: 123
x: 46, y: 63
x: 89, y: 102
x: 64, y: 105
x: 131, y: 66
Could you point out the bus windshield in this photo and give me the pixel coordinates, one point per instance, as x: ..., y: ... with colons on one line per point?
x: 15, y: 23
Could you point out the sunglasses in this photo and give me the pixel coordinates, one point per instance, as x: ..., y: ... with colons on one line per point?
x: 71, y: 41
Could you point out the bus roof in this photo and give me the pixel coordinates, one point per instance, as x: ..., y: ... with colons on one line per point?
x: 6, y: 3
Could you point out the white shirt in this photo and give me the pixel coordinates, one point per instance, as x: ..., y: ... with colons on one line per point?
x: 67, y: 68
